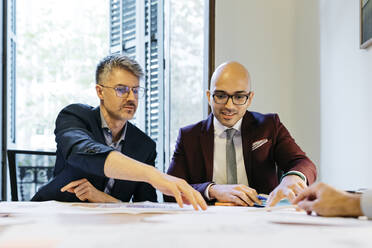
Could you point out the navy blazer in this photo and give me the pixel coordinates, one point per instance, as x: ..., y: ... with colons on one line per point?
x: 193, y: 156
x: 82, y: 151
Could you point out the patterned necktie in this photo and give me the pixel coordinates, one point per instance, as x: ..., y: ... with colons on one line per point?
x: 109, y: 186
x: 230, y: 157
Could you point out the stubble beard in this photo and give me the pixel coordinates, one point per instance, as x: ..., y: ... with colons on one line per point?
x: 122, y: 114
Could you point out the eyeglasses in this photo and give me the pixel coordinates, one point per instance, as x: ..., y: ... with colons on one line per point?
x: 123, y: 91
x: 237, y: 99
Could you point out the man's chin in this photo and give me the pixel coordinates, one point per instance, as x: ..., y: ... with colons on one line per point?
x: 227, y: 122
x: 125, y: 116
x: 128, y: 117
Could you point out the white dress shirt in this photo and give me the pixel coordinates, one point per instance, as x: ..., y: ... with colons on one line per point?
x: 219, y: 154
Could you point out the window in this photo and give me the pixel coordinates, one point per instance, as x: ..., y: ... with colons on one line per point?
x: 54, y: 46
x: 173, y: 63
x: 186, y: 65
x: 58, y: 46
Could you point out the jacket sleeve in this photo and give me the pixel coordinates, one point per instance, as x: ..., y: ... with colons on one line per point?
x: 179, y: 167
x: 288, y: 154
x: 366, y: 203
x: 76, y: 142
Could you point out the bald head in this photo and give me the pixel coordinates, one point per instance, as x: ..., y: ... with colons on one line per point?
x: 230, y: 93
x: 231, y: 72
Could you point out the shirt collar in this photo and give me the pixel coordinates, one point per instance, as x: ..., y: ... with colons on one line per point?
x: 103, y: 121
x: 106, y: 128
x: 219, y: 129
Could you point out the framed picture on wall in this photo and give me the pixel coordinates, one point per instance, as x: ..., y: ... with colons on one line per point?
x: 365, y: 23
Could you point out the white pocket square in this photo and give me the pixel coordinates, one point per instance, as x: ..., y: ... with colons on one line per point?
x: 258, y: 143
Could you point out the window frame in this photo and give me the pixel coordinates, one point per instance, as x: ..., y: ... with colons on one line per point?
x: 8, y: 26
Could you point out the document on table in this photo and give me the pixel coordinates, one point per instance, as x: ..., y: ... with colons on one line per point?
x: 306, y: 220
x: 133, y: 208
x: 89, y: 208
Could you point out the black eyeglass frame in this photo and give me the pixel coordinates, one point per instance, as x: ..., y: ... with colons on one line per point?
x: 232, y: 98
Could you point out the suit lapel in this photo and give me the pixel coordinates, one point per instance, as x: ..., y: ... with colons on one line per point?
x: 129, y: 147
x: 207, y: 145
x: 98, y: 133
x: 247, y: 127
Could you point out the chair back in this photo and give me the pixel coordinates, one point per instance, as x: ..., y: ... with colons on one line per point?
x: 28, y: 171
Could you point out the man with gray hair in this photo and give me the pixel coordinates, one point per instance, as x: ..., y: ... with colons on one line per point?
x: 101, y: 157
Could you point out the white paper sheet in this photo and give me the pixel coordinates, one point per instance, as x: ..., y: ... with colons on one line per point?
x: 51, y: 207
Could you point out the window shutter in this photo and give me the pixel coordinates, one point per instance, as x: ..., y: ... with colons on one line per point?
x: 115, y: 26
x: 123, y: 27
x: 137, y: 31
x: 129, y: 28
x: 154, y: 69
x: 123, y: 31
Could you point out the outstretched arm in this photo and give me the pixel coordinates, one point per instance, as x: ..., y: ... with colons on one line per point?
x: 119, y: 166
x: 77, y: 145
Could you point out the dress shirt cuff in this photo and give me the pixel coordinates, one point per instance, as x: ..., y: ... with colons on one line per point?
x: 366, y: 203
x: 297, y: 173
x: 206, y: 192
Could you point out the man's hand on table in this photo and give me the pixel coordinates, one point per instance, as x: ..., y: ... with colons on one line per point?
x: 178, y: 188
x: 85, y: 191
x: 239, y: 194
x: 289, y: 188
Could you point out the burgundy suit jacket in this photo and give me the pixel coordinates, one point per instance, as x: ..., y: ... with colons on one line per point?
x: 193, y: 156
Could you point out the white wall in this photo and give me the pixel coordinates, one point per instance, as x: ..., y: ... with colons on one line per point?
x: 261, y: 38
x: 306, y: 86
x: 346, y: 90
x: 276, y: 40
x: 306, y: 65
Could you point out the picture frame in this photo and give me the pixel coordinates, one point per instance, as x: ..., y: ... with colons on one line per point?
x: 365, y: 23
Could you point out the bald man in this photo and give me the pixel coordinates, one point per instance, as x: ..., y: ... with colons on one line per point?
x: 235, y: 154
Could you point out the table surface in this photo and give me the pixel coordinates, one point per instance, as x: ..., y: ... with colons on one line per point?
x: 54, y: 224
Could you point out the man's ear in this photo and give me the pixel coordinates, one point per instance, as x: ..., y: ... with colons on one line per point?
x: 208, y: 93
x: 99, y: 92
x: 251, y: 95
